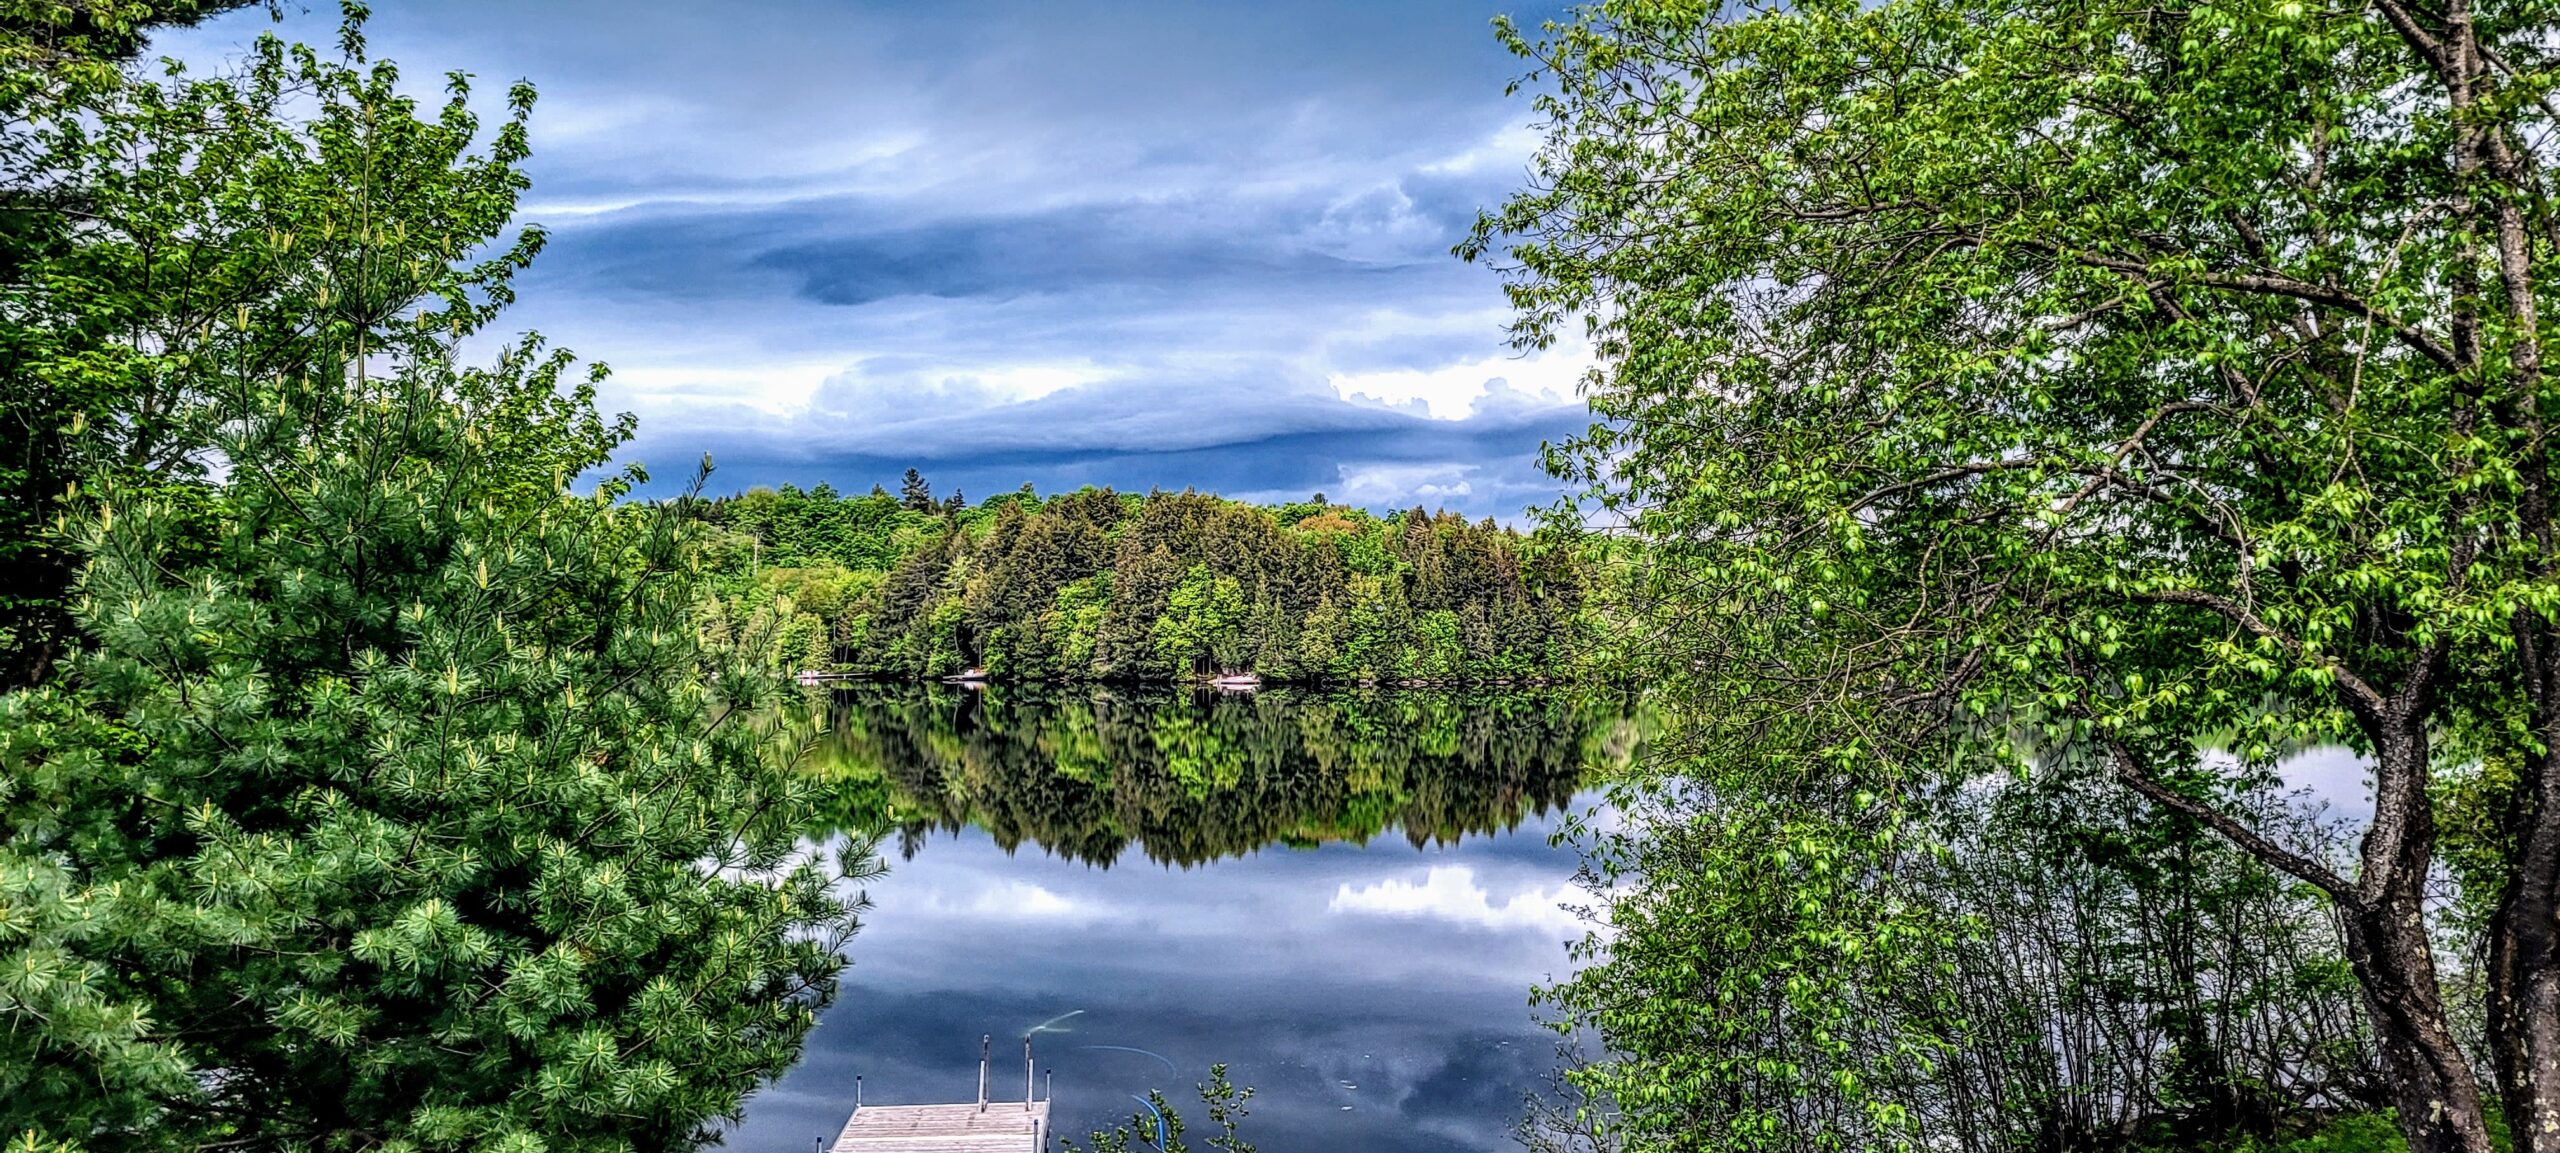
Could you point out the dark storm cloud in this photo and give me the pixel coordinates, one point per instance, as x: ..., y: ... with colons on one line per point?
x: 1256, y: 440
x: 1044, y: 254
x: 1138, y: 243
x: 856, y: 251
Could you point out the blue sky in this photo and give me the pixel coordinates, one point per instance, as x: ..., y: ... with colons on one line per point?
x: 1171, y: 244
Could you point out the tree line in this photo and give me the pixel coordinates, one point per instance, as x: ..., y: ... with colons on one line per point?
x: 1096, y: 585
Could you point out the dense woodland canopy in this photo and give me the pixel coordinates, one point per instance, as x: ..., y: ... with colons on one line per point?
x: 1099, y: 585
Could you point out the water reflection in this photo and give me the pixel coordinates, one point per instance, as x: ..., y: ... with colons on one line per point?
x: 1370, y: 980
x: 1186, y: 778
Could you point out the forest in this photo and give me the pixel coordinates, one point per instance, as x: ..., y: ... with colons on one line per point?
x: 1095, y: 585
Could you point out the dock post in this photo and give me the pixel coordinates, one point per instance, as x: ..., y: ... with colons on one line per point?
x: 983, y: 1043
x: 1026, y: 1074
x: 857, y: 1091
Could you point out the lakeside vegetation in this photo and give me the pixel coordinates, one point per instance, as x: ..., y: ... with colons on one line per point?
x: 1095, y: 585
x: 1186, y: 779
x: 2035, y: 426
x: 361, y: 786
x: 2024, y: 433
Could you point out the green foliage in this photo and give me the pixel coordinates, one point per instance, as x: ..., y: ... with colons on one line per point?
x: 2065, y: 389
x: 1097, y: 585
x: 2350, y: 1133
x: 415, y: 811
x: 392, y: 799
x: 47, y: 49
x: 1221, y: 1101
x: 175, y: 236
x: 1202, y: 622
x: 2035, y: 963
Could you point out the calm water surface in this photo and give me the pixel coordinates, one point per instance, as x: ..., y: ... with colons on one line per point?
x: 1345, y: 897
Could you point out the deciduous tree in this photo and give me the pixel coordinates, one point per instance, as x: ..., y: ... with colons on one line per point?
x: 161, y: 236
x: 2087, y: 384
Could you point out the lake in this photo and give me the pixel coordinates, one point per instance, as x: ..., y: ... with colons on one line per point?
x: 1346, y: 897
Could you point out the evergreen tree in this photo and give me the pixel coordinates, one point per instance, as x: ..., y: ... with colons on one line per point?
x: 409, y: 808
x: 211, y: 230
x: 915, y: 493
x: 389, y: 800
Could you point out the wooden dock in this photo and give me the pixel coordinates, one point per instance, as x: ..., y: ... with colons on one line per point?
x: 997, y: 1127
x: 985, y: 1127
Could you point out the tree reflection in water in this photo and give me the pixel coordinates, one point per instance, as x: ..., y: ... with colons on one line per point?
x: 1191, y: 777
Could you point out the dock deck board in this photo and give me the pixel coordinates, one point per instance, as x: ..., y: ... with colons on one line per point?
x: 999, y: 1127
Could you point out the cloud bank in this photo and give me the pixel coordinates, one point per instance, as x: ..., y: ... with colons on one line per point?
x: 1146, y: 245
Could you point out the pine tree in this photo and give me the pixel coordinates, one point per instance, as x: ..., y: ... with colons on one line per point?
x: 156, y: 229
x: 914, y: 493
x: 410, y: 809
x: 388, y: 802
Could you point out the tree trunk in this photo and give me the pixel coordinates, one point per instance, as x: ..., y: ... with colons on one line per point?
x: 2524, y: 965
x: 2432, y: 1084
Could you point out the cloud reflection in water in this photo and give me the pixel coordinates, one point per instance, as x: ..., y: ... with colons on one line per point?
x: 1375, y: 995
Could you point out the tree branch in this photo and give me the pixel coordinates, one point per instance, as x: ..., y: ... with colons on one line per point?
x: 2359, y: 693
x: 2130, y: 770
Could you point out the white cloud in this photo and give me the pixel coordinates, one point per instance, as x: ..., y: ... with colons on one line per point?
x: 608, y: 115
x: 887, y: 388
x: 1510, y: 147
x: 771, y: 387
x: 1023, y: 899
x: 1398, y: 484
x: 1451, y: 391
x: 1450, y: 893
x: 995, y: 900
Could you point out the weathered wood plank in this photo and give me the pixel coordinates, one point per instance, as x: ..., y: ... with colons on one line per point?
x: 999, y: 1127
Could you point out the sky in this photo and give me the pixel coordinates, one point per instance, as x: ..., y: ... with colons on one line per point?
x: 1133, y: 244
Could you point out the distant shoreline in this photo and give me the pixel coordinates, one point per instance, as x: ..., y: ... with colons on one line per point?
x: 848, y: 678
